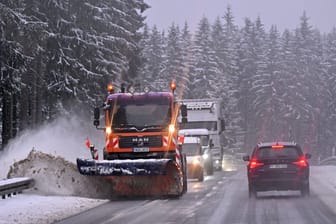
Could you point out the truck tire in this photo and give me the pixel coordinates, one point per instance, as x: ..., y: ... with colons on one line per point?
x: 201, y: 176
x: 185, y: 179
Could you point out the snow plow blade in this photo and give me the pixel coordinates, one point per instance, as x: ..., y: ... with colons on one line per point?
x: 134, y: 167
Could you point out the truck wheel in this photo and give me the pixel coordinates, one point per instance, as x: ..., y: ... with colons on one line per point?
x: 185, y: 184
x: 201, y: 176
x: 184, y: 168
x: 185, y: 179
x: 104, y: 154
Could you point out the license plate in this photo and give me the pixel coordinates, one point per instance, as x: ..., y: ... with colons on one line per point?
x: 278, y: 166
x: 141, y: 149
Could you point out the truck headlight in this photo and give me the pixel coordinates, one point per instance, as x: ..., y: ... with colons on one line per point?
x: 108, y: 130
x: 171, y: 128
x: 196, y: 161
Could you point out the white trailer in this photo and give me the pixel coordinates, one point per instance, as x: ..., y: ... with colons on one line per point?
x: 206, y: 113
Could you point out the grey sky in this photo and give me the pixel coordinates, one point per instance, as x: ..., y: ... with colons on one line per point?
x: 283, y: 13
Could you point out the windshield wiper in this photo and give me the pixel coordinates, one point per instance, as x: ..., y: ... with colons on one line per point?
x: 125, y: 127
x: 157, y: 126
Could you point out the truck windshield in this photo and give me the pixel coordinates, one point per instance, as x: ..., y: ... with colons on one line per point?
x: 141, y: 116
x: 210, y: 125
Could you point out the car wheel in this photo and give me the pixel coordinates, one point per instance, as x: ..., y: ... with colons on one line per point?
x: 252, y: 191
x: 210, y: 170
x: 305, y: 190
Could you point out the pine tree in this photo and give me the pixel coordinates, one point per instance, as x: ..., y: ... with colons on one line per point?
x: 186, y: 62
x: 173, y: 66
x: 152, y: 57
x: 205, y: 70
x: 234, y: 130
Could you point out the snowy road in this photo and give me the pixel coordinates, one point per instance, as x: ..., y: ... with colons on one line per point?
x: 224, y: 199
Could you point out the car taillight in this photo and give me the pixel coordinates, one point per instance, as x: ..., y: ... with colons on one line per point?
x: 255, y: 163
x: 277, y: 146
x: 301, y: 162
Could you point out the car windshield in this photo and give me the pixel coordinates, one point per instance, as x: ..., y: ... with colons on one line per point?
x: 204, y: 138
x: 270, y: 153
x: 191, y: 149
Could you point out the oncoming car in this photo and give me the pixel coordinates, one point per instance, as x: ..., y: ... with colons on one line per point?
x: 206, y: 143
x: 278, y: 166
x: 195, y: 164
x: 229, y: 163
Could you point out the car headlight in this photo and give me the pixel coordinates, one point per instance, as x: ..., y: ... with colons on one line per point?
x: 205, y: 156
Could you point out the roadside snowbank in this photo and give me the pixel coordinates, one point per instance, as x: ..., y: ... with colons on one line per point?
x: 323, y: 180
x: 64, y: 137
x: 53, y: 175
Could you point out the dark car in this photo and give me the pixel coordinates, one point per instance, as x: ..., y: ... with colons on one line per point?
x: 278, y: 166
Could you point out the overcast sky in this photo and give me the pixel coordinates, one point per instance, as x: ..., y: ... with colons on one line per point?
x: 283, y: 13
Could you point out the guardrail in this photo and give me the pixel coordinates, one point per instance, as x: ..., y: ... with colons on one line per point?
x: 328, y: 161
x: 14, y: 186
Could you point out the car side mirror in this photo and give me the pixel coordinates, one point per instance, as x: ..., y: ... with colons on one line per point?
x: 246, y: 158
x: 211, y: 143
x: 308, y: 155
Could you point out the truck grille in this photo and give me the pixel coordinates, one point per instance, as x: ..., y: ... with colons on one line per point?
x: 140, y: 141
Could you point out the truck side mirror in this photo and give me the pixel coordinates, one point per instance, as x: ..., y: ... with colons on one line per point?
x: 184, y: 111
x: 222, y: 124
x: 96, y: 116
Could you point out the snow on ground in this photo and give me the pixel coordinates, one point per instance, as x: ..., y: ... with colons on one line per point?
x: 60, y: 191
x: 48, y: 155
x: 323, y: 180
x: 29, y: 207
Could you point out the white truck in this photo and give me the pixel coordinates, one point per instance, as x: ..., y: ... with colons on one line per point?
x: 206, y: 114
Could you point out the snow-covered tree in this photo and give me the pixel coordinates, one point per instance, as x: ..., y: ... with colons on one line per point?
x: 186, y: 62
x: 60, y: 53
x: 205, y: 70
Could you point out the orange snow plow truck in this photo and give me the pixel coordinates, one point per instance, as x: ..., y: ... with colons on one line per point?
x: 141, y: 154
